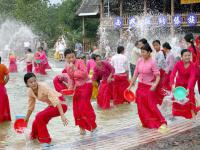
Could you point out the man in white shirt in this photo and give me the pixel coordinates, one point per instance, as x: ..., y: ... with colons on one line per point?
x: 119, y: 61
x: 121, y: 83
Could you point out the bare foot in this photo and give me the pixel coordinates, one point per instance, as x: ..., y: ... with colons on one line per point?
x: 82, y: 131
x: 163, y: 128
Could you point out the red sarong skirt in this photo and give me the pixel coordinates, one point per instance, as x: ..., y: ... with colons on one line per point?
x: 83, y: 111
x: 149, y: 114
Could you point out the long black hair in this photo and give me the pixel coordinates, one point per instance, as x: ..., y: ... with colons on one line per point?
x: 190, y: 39
x: 147, y: 48
x: 166, y: 45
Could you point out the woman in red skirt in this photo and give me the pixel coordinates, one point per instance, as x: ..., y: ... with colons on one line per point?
x: 84, y: 114
x: 103, y: 71
x: 189, y: 38
x: 186, y: 78
x: 4, y: 101
x: 13, y: 63
x: 39, y: 63
x: 146, y: 97
x: 29, y: 60
x: 55, y: 108
x: 170, y: 61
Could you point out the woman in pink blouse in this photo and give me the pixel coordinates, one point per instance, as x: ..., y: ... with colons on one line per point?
x: 186, y: 78
x: 146, y: 97
x: 43, y: 93
x: 170, y: 61
x: 84, y: 114
x: 91, y: 64
x: 44, y: 58
x: 104, y: 72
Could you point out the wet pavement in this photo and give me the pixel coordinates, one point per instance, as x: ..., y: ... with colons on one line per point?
x: 118, y: 128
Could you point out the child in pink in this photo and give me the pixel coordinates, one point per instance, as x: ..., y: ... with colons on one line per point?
x: 91, y: 65
x: 44, y: 58
x: 39, y: 63
x: 84, y: 114
x: 13, y: 63
x: 170, y: 61
x: 104, y: 72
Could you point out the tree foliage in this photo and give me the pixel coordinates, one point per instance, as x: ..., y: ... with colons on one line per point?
x: 50, y: 21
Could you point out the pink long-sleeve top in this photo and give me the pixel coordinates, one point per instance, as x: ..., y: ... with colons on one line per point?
x: 104, y: 72
x: 186, y: 76
x: 195, y: 56
x: 170, y: 62
x: 91, y: 65
x: 78, y: 75
x: 146, y: 71
x: 43, y: 57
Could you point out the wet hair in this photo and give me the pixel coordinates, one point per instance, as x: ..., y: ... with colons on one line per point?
x: 136, y: 43
x: 93, y: 56
x: 184, y: 51
x: 29, y: 50
x: 120, y: 49
x: 40, y: 48
x: 190, y: 39
x: 68, y: 51
x: 156, y: 41
x: 144, y: 41
x: 167, y: 45
x: 147, y: 48
x: 28, y: 76
x: 96, y: 56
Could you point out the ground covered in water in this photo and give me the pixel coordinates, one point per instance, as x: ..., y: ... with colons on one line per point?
x: 188, y: 140
x: 118, y: 128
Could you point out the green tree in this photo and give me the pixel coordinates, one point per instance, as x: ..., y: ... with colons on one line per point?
x: 50, y: 21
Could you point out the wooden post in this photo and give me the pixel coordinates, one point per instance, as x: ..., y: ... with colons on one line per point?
x: 172, y: 15
x: 121, y: 8
x: 83, y: 33
x: 164, y: 6
x: 101, y: 9
x: 101, y: 20
x: 145, y: 14
x: 145, y: 7
x: 121, y: 15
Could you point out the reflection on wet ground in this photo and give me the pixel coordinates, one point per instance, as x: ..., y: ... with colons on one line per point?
x: 118, y: 128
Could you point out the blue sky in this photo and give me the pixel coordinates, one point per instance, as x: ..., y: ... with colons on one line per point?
x: 55, y: 1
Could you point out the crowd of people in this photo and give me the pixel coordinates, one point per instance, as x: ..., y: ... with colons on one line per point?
x: 106, y: 80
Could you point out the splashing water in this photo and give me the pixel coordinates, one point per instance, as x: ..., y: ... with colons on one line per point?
x: 109, y: 36
x: 13, y: 34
